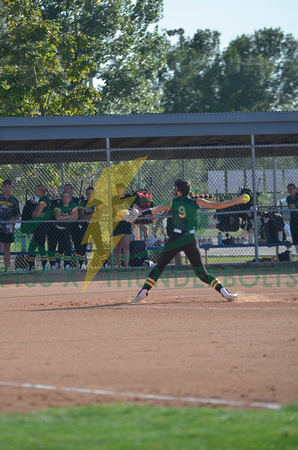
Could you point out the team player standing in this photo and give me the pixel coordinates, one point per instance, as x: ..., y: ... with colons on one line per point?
x: 183, y: 238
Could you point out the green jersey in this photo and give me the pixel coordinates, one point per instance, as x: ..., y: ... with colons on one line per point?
x: 65, y: 210
x: 184, y: 212
x: 92, y: 206
x: 74, y: 200
x: 46, y: 212
x: 293, y: 204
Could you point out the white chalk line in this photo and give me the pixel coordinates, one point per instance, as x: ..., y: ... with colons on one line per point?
x: 245, y: 308
x: 171, y: 398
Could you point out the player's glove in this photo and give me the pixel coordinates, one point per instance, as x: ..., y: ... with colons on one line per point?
x: 131, y: 215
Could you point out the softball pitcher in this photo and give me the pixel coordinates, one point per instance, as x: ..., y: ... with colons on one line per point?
x: 183, y: 238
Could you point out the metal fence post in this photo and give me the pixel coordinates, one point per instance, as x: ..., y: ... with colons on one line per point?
x: 110, y: 199
x: 253, y: 155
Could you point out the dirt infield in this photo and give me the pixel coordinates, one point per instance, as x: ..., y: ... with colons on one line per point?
x: 184, y: 346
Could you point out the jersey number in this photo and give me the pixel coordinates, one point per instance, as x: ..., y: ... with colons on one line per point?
x: 182, y: 212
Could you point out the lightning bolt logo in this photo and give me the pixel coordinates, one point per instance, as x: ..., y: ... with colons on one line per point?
x: 103, y: 221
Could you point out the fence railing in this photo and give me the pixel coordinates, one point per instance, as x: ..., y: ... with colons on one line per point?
x: 222, y: 178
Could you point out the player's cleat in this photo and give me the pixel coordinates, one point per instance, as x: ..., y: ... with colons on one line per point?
x: 67, y: 267
x: 227, y: 295
x: 141, y: 295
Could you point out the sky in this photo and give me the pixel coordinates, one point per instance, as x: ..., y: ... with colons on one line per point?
x: 231, y: 18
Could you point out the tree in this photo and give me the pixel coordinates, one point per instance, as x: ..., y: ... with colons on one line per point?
x: 127, y: 56
x: 39, y: 75
x: 190, y: 77
x: 260, y: 72
x: 52, y: 48
x: 256, y: 72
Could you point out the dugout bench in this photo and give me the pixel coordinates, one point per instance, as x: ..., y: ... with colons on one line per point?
x: 267, y: 244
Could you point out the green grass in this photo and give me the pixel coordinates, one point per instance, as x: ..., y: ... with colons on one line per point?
x: 123, y: 426
x: 228, y: 259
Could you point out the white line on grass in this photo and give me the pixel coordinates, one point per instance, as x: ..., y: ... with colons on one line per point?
x: 202, y: 401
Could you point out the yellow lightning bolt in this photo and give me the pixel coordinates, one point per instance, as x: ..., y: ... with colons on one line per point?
x: 104, y: 190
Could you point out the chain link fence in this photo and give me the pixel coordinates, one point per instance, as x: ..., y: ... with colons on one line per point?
x: 259, y: 231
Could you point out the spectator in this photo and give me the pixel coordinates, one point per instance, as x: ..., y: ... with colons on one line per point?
x: 53, y: 238
x: 74, y: 228
x: 64, y: 214
x: 121, y: 227
x: 42, y: 212
x: 292, y: 201
x: 9, y: 211
x: 92, y: 212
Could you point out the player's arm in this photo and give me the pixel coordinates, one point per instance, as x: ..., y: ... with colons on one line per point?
x: 131, y: 215
x: 74, y: 215
x: 98, y: 211
x: 39, y: 209
x: 16, y: 212
x: 81, y: 212
x: 156, y: 209
x: 13, y: 219
x: 60, y: 216
x: 221, y: 205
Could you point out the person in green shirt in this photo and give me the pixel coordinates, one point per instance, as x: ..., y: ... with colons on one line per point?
x: 292, y: 201
x: 183, y: 238
x: 74, y: 227
x: 41, y: 213
x: 90, y: 211
x: 65, y: 214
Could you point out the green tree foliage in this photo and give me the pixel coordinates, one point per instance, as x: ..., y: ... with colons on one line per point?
x: 40, y: 73
x: 51, y: 48
x: 256, y: 72
x: 190, y: 77
x: 260, y: 72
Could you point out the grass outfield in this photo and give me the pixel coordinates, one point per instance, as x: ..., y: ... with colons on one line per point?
x: 123, y: 426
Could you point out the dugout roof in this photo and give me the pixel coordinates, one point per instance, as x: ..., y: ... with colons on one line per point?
x: 161, y: 136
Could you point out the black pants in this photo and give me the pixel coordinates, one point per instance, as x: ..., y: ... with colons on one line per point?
x: 294, y: 229
x: 182, y: 242
x: 76, y: 233
x: 39, y: 241
x: 64, y: 243
x: 52, y: 242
